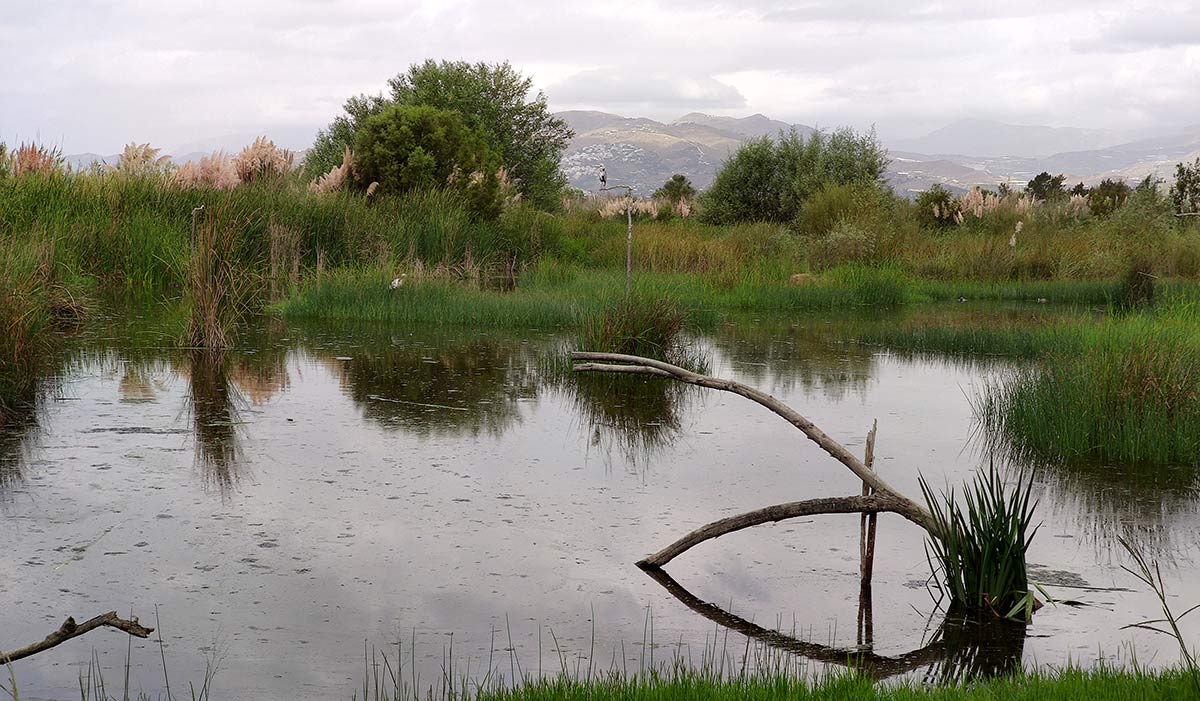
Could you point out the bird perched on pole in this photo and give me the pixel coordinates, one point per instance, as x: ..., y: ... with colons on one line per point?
x: 603, y: 177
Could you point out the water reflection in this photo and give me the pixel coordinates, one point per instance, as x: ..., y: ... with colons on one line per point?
x: 1153, y: 507
x: 470, y: 387
x: 19, y: 430
x: 31, y: 386
x: 635, y: 416
x: 214, y: 404
x: 959, y: 650
x: 806, y: 352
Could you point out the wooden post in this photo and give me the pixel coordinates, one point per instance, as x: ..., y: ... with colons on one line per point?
x: 866, y: 551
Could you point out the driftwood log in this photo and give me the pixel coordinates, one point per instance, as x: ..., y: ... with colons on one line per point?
x: 883, y: 497
x: 70, y: 629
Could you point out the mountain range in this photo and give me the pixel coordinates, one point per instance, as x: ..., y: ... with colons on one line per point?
x: 645, y: 153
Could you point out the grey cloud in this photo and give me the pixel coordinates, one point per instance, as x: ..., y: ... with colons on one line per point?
x: 97, y: 73
x: 632, y: 87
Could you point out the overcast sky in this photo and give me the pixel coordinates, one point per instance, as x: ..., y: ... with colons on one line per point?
x: 91, y: 75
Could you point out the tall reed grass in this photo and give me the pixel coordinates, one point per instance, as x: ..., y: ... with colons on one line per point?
x: 1127, y: 390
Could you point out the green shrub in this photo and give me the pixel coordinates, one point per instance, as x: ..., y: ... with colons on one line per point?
x: 649, y: 327
x: 846, y: 243
x: 676, y: 190
x: 1107, y: 197
x: 1185, y: 192
x: 770, y: 179
x: 424, y: 148
x: 827, y: 206
x: 938, y: 207
x: 981, y: 549
x: 492, y: 100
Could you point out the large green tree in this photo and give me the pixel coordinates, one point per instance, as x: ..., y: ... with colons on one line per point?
x: 770, y: 179
x: 493, y: 99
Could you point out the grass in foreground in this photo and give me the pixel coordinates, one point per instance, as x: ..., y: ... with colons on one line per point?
x: 683, y: 684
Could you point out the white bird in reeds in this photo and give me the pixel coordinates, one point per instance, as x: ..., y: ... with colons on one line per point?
x: 399, y: 282
x: 603, y: 177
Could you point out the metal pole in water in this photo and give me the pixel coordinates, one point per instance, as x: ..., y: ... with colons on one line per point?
x: 195, y: 211
x: 628, y: 243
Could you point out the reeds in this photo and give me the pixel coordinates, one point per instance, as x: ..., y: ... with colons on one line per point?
x: 980, y: 548
x: 647, y: 327
x: 1127, y: 390
x: 217, y: 289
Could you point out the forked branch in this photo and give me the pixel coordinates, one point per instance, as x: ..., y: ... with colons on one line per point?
x: 70, y: 629
x: 885, y: 498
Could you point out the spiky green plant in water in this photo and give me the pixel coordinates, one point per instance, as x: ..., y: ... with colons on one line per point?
x: 981, y: 548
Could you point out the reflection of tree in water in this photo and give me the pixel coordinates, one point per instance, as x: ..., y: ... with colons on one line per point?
x: 807, y: 350
x: 959, y: 650
x: 213, y: 403
x: 467, y: 387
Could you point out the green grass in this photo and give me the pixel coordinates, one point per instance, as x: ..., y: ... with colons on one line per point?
x: 1069, y: 685
x: 1126, y: 390
x: 680, y: 682
x: 551, y: 294
x: 1079, y: 292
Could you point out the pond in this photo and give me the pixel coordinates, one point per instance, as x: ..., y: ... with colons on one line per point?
x: 328, y: 488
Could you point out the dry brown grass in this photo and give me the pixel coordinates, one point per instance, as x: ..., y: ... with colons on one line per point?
x: 32, y: 159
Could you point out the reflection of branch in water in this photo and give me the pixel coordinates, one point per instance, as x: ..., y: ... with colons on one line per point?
x: 213, y: 404
x: 959, y: 650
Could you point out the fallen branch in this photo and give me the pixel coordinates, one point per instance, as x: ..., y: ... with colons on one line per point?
x: 812, y: 507
x: 70, y: 629
x: 632, y: 364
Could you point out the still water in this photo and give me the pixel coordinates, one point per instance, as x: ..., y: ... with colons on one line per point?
x: 327, y: 487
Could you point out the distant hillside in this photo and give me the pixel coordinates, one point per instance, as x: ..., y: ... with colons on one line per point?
x: 645, y: 153
x: 983, y: 137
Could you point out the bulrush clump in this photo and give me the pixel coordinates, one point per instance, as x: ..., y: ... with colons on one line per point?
x: 214, y: 171
x: 262, y: 159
